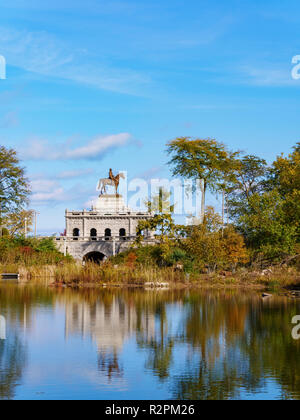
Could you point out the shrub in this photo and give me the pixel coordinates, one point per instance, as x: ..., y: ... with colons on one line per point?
x: 30, y: 251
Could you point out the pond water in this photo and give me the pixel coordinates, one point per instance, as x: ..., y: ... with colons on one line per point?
x: 135, y: 344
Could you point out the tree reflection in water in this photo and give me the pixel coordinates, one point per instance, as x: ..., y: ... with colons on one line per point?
x: 227, y: 342
x: 108, y: 364
x: 238, y: 343
x: 197, y: 344
x: 160, y: 344
x: 18, y: 304
x: 12, y: 362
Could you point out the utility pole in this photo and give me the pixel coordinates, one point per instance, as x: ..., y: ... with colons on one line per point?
x: 25, y: 230
x: 227, y: 211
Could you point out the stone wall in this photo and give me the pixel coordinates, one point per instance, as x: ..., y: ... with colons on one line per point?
x: 80, y: 249
x: 86, y: 221
x: 109, y: 212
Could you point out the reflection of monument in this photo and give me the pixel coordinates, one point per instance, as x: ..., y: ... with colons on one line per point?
x: 108, y: 325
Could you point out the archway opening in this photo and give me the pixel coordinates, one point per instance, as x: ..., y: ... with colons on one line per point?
x: 76, y: 234
x: 122, y: 234
x: 93, y: 234
x: 107, y: 234
x: 95, y: 257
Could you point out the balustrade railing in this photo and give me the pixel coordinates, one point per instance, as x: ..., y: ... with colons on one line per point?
x: 100, y: 238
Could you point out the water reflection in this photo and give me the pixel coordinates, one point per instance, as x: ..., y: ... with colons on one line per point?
x: 108, y: 321
x: 2, y: 328
x: 167, y: 344
x: 17, y: 306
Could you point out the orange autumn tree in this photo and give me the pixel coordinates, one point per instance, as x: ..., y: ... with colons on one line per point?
x: 205, y: 242
x: 214, y: 248
x: 234, y: 248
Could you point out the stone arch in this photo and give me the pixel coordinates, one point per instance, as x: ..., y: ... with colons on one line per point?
x: 94, y: 256
x: 122, y: 234
x: 93, y: 234
x: 107, y: 234
x: 76, y: 234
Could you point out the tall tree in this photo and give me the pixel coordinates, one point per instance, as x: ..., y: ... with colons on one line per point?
x: 213, y: 248
x: 162, y: 221
x: 19, y: 222
x: 205, y: 160
x: 264, y: 226
x: 285, y: 177
x: 14, y: 186
x: 161, y: 203
x: 248, y: 177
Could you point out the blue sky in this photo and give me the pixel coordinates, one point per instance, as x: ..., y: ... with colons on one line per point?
x: 97, y: 84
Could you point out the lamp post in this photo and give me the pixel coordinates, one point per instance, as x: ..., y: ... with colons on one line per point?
x: 35, y: 221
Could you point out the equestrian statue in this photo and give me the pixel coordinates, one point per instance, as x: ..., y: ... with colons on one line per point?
x: 111, y: 181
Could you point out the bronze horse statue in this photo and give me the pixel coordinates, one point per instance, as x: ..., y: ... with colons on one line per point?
x: 110, y: 182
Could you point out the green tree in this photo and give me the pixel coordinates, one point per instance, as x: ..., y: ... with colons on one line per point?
x: 15, y: 222
x: 160, y: 203
x: 14, y: 186
x: 248, y: 178
x: 205, y: 160
x: 264, y: 226
x: 285, y: 177
x: 162, y: 222
x: 205, y: 242
x: 265, y: 204
x: 214, y: 248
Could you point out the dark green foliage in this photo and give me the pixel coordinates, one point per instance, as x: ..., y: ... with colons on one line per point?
x: 151, y: 256
x: 265, y: 205
x: 29, y: 251
x: 14, y: 186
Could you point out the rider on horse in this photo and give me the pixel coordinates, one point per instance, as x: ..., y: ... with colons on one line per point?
x: 110, y: 181
x: 111, y: 175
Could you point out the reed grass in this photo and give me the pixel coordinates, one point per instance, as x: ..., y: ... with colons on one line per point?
x: 75, y: 274
x: 107, y: 274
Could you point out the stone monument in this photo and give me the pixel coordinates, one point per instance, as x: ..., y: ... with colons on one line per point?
x: 108, y: 228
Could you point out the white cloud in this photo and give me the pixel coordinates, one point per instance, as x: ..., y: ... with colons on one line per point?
x: 55, y: 195
x: 42, y: 185
x: 150, y: 173
x: 266, y: 75
x: 45, y: 190
x: 44, y: 54
x: 38, y: 149
x: 74, y: 174
x: 49, y: 191
x: 98, y: 147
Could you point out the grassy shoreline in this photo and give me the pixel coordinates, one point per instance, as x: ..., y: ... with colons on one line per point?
x: 92, y: 275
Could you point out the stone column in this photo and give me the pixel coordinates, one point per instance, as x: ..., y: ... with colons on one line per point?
x: 84, y: 224
x: 68, y: 232
x: 130, y: 227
